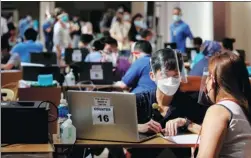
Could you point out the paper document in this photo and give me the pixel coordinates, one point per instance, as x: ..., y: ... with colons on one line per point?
x: 31, y: 64
x: 183, y: 139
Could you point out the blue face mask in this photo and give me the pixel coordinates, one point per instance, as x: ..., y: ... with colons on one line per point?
x: 65, y: 18
x: 139, y: 23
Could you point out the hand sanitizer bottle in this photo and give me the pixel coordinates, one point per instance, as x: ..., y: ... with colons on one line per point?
x: 62, y: 113
x: 70, y: 79
x: 68, y: 135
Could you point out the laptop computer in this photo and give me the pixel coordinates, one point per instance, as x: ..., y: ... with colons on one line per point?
x: 98, y: 73
x: 75, y: 55
x: 110, y: 116
x: 46, y: 58
x: 30, y: 73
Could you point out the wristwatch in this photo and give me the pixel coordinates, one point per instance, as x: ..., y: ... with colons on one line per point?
x: 188, y: 122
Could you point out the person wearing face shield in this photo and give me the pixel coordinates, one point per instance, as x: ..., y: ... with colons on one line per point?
x: 61, y: 34
x: 180, y: 31
x: 166, y: 102
x: 225, y: 87
x: 137, y: 78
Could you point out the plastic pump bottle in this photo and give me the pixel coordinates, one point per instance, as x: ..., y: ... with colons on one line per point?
x: 62, y: 111
x: 68, y: 131
x: 70, y: 79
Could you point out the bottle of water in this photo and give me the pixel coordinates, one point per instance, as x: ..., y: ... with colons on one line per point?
x: 68, y: 131
x: 62, y: 113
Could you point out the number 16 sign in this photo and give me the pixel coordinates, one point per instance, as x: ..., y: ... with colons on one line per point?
x: 102, y: 115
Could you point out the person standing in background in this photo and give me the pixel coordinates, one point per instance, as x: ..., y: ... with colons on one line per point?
x: 180, y: 31
x: 119, y: 31
x: 76, y: 31
x: 137, y: 24
x: 48, y: 32
x: 61, y: 34
x: 25, y: 24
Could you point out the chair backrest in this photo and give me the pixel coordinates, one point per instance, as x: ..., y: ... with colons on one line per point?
x: 10, y: 95
x: 13, y: 86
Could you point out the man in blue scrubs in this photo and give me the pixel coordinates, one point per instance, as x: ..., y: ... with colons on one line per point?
x: 179, y: 30
x: 137, y: 77
x: 28, y: 46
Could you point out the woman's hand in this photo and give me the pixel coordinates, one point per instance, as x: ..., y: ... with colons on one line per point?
x: 172, y: 126
x: 151, y: 126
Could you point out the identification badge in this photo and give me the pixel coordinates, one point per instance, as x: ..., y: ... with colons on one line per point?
x: 76, y: 56
x: 102, y: 115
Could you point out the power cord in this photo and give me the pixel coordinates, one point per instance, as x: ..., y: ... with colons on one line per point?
x: 51, y: 103
x: 71, y: 150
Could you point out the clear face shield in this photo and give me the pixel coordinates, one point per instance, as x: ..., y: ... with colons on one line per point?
x: 203, y: 98
x: 170, y: 77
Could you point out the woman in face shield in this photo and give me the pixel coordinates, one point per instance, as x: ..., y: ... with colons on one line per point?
x: 156, y: 107
x: 226, y: 130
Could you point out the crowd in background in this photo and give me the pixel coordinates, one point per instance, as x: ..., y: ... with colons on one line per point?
x: 119, y: 32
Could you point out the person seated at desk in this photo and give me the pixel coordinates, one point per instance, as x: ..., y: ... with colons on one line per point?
x: 28, y: 46
x: 85, y: 41
x: 197, y: 42
x: 110, y: 51
x: 226, y: 130
x: 209, y: 48
x: 170, y: 102
x: 137, y: 77
x: 227, y: 44
x: 96, y: 54
x: 8, y: 60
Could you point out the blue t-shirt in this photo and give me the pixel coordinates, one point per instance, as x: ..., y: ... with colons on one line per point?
x: 179, y: 32
x: 93, y: 57
x: 198, y: 68
x: 137, y: 77
x: 197, y: 58
x: 25, y: 48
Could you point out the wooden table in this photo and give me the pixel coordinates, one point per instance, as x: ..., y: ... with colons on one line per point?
x: 27, y: 148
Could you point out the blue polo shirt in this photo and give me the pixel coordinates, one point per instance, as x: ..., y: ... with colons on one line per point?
x: 25, y: 48
x: 137, y: 77
x: 179, y: 32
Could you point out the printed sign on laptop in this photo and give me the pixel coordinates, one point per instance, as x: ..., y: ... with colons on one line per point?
x: 96, y: 72
x: 76, y: 56
x: 98, y: 101
x: 102, y: 115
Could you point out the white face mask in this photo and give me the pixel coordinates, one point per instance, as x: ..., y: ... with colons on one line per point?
x: 176, y: 18
x: 126, y: 17
x: 168, y: 86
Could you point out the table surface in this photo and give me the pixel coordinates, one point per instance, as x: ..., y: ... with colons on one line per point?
x: 28, y: 148
x: 156, y: 142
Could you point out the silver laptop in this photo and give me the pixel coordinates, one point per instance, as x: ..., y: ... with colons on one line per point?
x: 110, y: 116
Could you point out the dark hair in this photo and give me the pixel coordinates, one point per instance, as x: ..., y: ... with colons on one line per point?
x: 98, y: 45
x: 166, y: 58
x: 143, y: 46
x: 30, y: 34
x: 177, y: 8
x: 133, y: 32
x: 106, y: 34
x: 197, y: 41
x: 111, y: 41
x: 228, y: 43
x: 86, y: 38
x: 145, y: 32
x: 11, y: 26
x: 231, y: 75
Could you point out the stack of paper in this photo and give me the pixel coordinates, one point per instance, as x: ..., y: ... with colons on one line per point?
x: 184, y: 139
